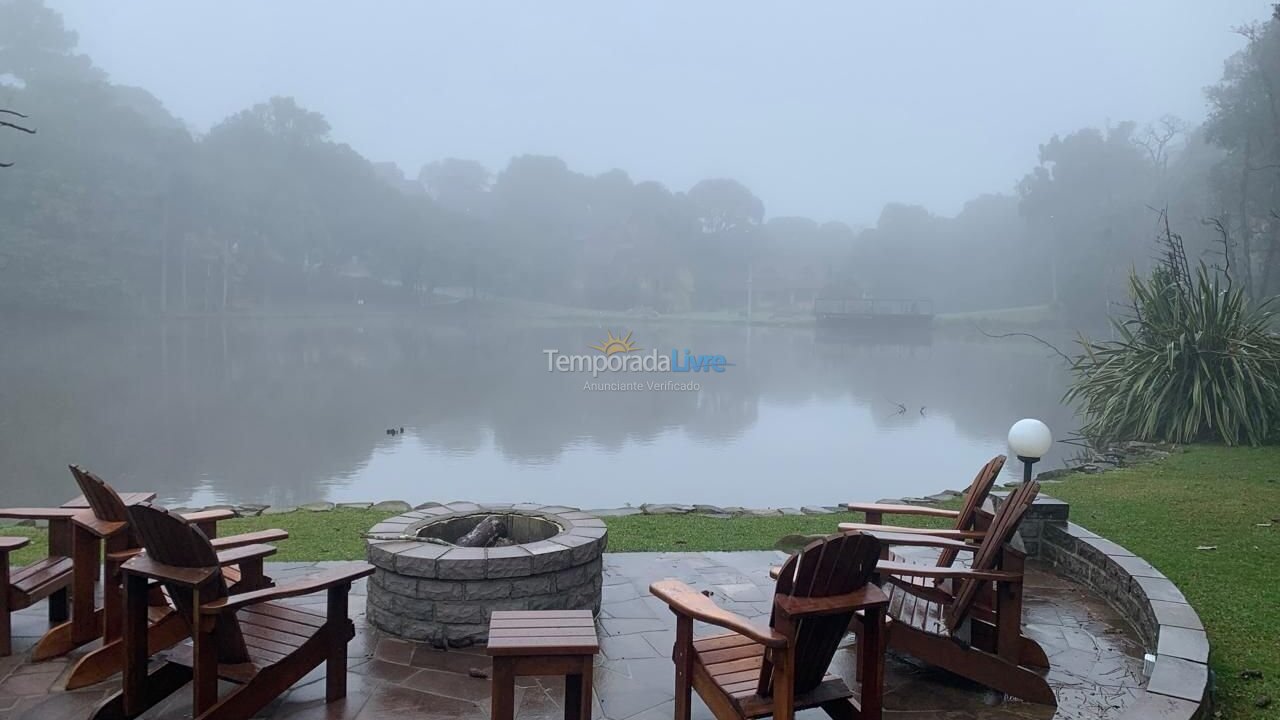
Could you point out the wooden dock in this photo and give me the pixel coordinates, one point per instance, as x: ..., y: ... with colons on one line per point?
x: 873, y: 313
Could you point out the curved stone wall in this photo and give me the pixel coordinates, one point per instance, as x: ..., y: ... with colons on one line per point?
x: 444, y: 594
x: 1180, y: 684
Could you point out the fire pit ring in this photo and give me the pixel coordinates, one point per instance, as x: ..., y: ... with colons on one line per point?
x: 427, y: 589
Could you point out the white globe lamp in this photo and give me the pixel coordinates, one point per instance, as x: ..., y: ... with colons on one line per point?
x: 1029, y: 439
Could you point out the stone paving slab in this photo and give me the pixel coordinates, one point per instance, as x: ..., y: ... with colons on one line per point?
x: 1095, y: 656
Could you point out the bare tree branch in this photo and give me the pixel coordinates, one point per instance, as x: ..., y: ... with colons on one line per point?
x: 1155, y: 139
x: 27, y: 130
x: 15, y: 126
x: 1038, y: 339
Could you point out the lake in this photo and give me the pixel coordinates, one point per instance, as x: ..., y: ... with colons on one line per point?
x: 285, y: 412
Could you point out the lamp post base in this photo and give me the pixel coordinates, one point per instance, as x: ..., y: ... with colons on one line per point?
x: 1027, y: 462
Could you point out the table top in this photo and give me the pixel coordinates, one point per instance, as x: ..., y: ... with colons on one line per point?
x: 542, y: 632
x: 133, y: 498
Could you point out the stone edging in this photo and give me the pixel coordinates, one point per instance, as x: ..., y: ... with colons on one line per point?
x: 400, y: 506
x: 1180, y: 686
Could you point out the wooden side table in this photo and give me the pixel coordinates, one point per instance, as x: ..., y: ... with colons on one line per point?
x: 542, y: 642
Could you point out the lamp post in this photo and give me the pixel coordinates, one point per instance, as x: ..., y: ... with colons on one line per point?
x: 1029, y: 439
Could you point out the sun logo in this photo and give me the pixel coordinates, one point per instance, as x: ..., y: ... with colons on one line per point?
x: 613, y: 345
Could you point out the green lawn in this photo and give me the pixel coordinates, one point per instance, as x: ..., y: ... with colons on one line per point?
x: 637, y: 533
x: 338, y: 534
x: 1226, y: 498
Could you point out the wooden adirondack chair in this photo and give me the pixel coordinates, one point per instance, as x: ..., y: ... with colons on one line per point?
x: 757, y: 671
x: 969, y: 521
x: 48, y: 577
x: 261, y: 646
x: 107, y: 523
x: 25, y: 587
x: 971, y: 622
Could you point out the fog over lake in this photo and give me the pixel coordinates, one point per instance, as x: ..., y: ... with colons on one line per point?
x: 289, y: 411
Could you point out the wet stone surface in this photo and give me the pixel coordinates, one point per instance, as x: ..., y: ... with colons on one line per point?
x: 1095, y: 657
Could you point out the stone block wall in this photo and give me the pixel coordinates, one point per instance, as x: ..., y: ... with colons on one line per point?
x: 444, y: 594
x: 456, y: 612
x: 1180, y: 686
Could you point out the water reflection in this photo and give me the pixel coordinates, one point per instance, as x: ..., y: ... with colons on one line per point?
x: 285, y: 412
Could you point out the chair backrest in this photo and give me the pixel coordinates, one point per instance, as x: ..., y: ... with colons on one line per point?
x: 979, y: 489
x: 1003, y: 527
x: 103, y: 500
x: 834, y: 565
x: 170, y: 539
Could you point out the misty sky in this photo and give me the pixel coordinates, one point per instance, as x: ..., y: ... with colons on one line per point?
x: 826, y: 109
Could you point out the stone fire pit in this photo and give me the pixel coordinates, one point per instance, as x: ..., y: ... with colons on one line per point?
x: 425, y: 588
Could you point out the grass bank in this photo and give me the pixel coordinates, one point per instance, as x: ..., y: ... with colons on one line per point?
x: 1224, y: 498
x: 338, y: 534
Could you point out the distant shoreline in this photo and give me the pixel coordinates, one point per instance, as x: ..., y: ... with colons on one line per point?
x: 1037, y: 316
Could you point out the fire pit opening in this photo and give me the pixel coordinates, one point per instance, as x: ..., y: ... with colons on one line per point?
x: 440, y: 570
x: 491, y: 530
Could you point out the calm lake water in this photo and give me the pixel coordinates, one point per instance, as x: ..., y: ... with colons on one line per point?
x: 293, y: 411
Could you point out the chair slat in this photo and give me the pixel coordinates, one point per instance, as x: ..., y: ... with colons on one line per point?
x: 1003, y: 528
x: 979, y: 489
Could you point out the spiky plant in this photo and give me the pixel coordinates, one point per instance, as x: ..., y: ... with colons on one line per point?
x: 1193, y: 361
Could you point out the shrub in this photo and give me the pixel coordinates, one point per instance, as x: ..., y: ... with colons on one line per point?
x: 1193, y: 361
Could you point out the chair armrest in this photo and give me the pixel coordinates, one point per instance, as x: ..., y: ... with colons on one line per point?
x: 86, y: 520
x: 9, y: 544
x: 886, y: 509
x: 137, y: 562
x: 684, y: 600
x: 250, y: 538
x: 203, y: 516
x: 864, y: 597
x: 236, y: 555
x: 946, y: 533
x: 919, y: 540
x: 120, y: 556
x: 26, y: 513
x: 305, y: 586
x: 190, y: 577
x: 933, y: 571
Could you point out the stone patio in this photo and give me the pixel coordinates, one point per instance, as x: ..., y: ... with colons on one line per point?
x: 1095, y: 656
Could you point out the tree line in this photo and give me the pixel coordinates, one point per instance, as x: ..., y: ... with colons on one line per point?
x: 117, y: 205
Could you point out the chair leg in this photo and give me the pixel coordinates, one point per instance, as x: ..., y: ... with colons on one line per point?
x: 59, y: 607
x: 577, y: 694
x: 204, y: 681
x: 855, y: 627
x: 683, y: 656
x: 139, y: 690
x: 784, y: 683
x: 871, y: 651
x: 335, y: 671
x: 502, y: 705
x: 6, y: 629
